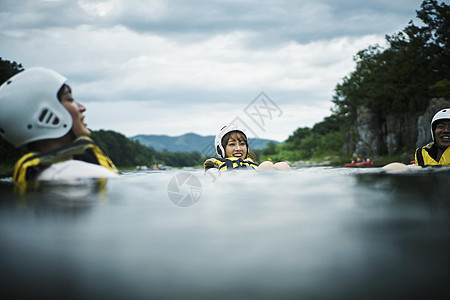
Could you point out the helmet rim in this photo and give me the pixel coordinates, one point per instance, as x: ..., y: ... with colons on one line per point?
x: 224, y: 131
x: 443, y: 114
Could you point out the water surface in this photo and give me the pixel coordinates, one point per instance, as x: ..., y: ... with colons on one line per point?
x: 311, y: 233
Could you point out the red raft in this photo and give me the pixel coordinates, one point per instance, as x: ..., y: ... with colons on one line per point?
x: 360, y: 164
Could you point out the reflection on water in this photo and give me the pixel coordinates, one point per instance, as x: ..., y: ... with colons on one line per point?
x: 313, y: 233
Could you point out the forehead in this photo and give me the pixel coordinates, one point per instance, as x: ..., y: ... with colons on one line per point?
x: 444, y: 122
x: 236, y: 136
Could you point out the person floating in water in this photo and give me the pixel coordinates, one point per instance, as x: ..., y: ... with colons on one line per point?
x: 37, y: 109
x: 436, y: 153
x: 231, y: 145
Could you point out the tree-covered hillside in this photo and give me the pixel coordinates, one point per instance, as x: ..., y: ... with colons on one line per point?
x: 406, y: 75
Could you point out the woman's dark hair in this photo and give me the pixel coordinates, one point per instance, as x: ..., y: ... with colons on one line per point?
x: 241, y: 136
x: 62, y: 91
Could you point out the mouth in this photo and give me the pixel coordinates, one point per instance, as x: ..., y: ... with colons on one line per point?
x: 238, y: 155
x: 445, y: 138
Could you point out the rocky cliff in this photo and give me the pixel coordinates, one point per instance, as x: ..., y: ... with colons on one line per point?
x: 372, y: 134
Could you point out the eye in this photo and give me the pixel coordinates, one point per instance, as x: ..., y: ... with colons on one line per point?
x: 67, y: 98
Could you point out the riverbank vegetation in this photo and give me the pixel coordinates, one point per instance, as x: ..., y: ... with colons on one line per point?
x: 401, y: 78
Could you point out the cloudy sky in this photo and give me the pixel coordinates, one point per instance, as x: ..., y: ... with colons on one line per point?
x: 172, y: 66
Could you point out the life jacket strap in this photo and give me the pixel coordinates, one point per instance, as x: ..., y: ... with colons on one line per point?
x: 83, y: 148
x: 419, y: 156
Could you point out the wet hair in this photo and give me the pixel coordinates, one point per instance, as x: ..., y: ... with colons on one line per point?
x: 65, y: 89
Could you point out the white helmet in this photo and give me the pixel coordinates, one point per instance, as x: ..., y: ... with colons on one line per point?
x: 30, y: 109
x: 218, y: 141
x: 440, y: 115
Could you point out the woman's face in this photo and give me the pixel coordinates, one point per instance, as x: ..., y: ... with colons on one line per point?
x: 236, y: 146
x: 76, y: 109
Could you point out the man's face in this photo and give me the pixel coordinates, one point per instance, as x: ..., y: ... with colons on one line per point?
x: 442, y: 134
x: 76, y: 110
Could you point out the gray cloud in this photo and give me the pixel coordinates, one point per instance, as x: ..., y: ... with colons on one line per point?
x: 301, y: 21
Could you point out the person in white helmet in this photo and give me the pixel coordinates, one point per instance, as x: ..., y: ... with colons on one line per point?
x: 436, y: 153
x: 231, y: 145
x: 37, y: 109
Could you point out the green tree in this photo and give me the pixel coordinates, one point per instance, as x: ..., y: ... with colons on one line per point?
x: 398, y: 79
x: 295, y: 139
x: 122, y: 151
x: 270, y: 149
x: 8, y: 69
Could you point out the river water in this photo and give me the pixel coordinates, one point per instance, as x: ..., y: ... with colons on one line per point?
x: 310, y: 233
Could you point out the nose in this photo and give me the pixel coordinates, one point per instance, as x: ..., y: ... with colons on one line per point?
x: 238, y: 146
x: 81, y: 107
x: 447, y: 127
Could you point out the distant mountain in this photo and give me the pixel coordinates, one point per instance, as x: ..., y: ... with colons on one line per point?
x: 190, y: 142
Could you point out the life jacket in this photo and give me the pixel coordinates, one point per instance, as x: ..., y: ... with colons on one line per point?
x: 29, y: 166
x: 427, y: 156
x: 224, y: 164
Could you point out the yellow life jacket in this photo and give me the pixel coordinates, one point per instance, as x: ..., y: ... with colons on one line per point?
x: 29, y: 166
x: 427, y: 155
x: 224, y: 164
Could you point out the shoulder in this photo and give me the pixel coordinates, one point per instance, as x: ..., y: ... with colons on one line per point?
x: 429, y: 146
x: 75, y: 169
x: 251, y: 160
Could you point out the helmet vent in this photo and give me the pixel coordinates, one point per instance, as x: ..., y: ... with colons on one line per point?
x: 48, y: 118
x: 43, y: 114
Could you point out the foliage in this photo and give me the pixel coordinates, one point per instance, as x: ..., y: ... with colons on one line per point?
x: 401, y: 78
x: 441, y: 89
x: 180, y: 159
x: 398, y: 79
x: 126, y: 153
x: 123, y: 152
x: 8, y: 69
x: 323, y: 140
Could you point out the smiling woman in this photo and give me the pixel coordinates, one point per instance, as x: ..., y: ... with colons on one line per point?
x: 37, y: 109
x: 231, y: 146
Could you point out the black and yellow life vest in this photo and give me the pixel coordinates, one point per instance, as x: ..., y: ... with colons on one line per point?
x: 427, y: 156
x: 29, y: 166
x: 224, y: 164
